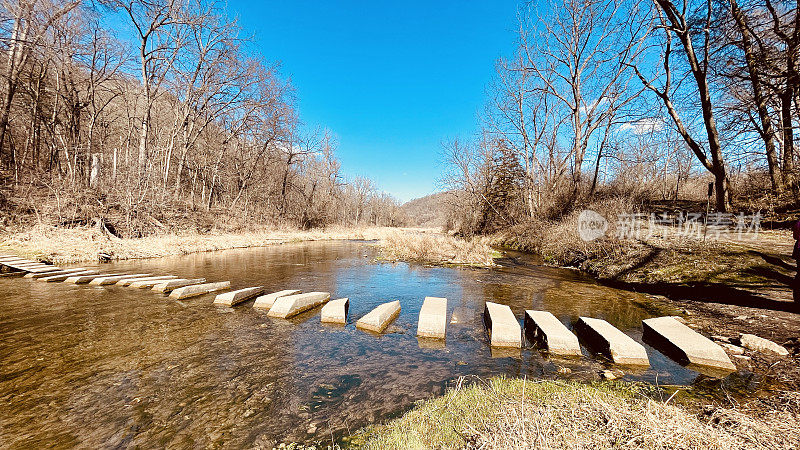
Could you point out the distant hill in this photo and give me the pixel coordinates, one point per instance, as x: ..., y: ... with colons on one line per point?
x: 430, y: 211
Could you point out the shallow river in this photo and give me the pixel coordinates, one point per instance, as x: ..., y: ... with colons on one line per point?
x: 110, y: 366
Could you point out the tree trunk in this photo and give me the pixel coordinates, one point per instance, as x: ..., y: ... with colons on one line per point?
x: 14, y: 59
x: 717, y: 166
x: 767, y: 132
x: 94, y: 176
x: 788, y: 135
x: 142, y: 160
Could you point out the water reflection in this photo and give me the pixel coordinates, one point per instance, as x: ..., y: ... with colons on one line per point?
x: 91, y: 366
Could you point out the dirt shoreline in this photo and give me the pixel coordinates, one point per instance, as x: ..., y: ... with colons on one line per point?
x: 725, y: 288
x: 83, y: 244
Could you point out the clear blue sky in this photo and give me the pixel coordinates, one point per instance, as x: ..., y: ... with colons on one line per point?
x: 392, y: 81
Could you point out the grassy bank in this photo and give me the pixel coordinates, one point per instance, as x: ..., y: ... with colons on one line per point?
x: 512, y: 413
x: 438, y: 249
x: 656, y: 254
x: 71, y: 245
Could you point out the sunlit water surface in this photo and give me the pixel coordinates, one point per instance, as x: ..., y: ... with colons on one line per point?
x: 110, y: 366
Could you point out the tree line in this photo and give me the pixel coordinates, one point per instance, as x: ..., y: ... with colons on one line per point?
x: 646, y: 99
x: 141, y: 111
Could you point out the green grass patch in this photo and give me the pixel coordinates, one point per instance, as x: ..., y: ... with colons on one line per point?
x: 514, y: 413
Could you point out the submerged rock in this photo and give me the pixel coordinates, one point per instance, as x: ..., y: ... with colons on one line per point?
x: 718, y: 338
x: 611, y: 374
x: 734, y: 349
x: 759, y: 344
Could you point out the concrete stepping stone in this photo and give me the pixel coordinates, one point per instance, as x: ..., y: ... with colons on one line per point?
x: 62, y: 277
x: 69, y: 272
x: 547, y: 332
x: 44, y: 269
x: 683, y: 344
x: 733, y: 349
x: 81, y: 279
x: 126, y: 282
x: 198, y: 289
x: 233, y: 298
x: 171, y: 285
x: 8, y: 261
x: 502, y: 325
x: 379, y: 318
x: 148, y: 284
x: 432, y: 321
x: 335, y: 311
x: 105, y: 280
x: 266, y: 301
x: 600, y: 335
x: 27, y: 266
x: 12, y: 273
x: 10, y: 265
x: 292, y: 305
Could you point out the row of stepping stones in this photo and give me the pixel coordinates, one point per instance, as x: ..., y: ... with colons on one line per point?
x: 667, y: 334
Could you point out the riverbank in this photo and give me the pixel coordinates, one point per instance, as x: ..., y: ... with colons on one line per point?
x: 725, y: 283
x: 505, y: 413
x: 61, y: 245
x: 439, y: 249
x: 81, y: 244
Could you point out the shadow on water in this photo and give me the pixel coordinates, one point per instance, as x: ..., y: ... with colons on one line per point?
x: 109, y: 366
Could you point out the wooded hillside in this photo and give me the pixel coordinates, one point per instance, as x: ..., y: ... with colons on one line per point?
x: 170, y: 119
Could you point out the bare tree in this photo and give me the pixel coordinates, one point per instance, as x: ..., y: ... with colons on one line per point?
x: 581, y: 58
x: 32, y: 20
x: 154, y: 22
x: 786, y: 26
x: 753, y: 64
x: 674, y: 21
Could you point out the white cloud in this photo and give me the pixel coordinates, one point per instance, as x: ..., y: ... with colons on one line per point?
x: 644, y: 126
x: 596, y: 104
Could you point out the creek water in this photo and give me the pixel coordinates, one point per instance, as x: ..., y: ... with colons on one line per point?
x: 108, y: 366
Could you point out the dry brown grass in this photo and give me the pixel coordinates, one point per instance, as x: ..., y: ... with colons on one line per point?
x: 558, y: 241
x: 437, y: 248
x: 655, y: 254
x: 69, y: 245
x: 515, y: 414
